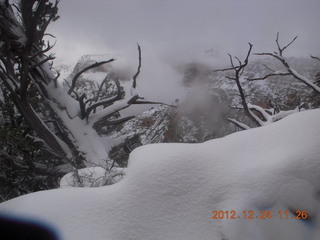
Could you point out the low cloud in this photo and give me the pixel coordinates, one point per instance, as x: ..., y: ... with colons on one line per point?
x: 174, y: 33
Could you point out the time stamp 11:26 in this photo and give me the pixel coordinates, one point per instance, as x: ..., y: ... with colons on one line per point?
x: 220, y: 214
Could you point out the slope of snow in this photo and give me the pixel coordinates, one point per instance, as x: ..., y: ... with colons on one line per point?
x: 170, y: 190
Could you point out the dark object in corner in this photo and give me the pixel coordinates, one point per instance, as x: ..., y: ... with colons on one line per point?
x: 16, y: 229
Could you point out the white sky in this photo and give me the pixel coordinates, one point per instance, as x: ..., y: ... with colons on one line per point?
x: 174, y: 30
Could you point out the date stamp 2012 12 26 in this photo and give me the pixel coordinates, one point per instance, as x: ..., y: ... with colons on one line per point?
x: 232, y: 214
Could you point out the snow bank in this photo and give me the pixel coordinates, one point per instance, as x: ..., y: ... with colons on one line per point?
x: 170, y: 190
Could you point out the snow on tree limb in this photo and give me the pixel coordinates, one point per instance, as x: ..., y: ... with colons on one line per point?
x: 290, y: 71
x: 259, y: 115
x: 25, y: 72
x: 303, y: 79
x: 106, y: 100
x: 94, y: 65
x: 239, y: 124
x: 105, y: 113
x: 270, y: 117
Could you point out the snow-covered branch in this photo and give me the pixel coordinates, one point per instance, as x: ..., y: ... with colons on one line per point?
x: 94, y: 65
x: 268, y: 116
x: 290, y: 71
x: 239, y: 124
x: 303, y: 79
x: 66, y: 120
x: 105, y: 113
x: 105, y: 101
x: 259, y: 115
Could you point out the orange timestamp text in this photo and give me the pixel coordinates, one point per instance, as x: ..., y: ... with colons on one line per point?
x: 232, y: 214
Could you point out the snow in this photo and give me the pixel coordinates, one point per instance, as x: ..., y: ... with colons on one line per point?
x: 304, y: 80
x: 63, y: 100
x: 170, y: 190
x: 88, y: 141
x: 272, y: 117
x: 240, y: 124
x: 116, y: 106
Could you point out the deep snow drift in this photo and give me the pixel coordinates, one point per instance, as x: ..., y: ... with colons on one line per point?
x: 170, y: 190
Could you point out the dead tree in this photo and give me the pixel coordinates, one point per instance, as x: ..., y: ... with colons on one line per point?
x: 25, y: 64
x: 237, y: 70
x: 260, y: 116
x: 289, y: 70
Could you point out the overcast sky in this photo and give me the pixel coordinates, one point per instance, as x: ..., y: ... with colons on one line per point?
x: 174, y: 30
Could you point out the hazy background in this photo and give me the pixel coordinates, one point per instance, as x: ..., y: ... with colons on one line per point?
x: 178, y: 31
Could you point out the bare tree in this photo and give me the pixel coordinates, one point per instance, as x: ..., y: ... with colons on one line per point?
x: 289, y: 70
x: 258, y: 115
x: 237, y: 70
x: 68, y: 126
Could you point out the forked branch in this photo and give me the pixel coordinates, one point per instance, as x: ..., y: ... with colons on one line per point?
x: 75, y: 78
x: 281, y: 49
x: 290, y: 71
x: 238, y: 70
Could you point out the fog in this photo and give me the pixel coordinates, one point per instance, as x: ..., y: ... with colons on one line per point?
x: 173, y: 32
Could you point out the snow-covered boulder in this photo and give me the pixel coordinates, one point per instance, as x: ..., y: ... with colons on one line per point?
x: 171, y: 190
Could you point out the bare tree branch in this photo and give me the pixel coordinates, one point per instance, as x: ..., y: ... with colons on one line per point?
x: 105, y: 101
x: 101, y: 86
x: 270, y: 69
x: 224, y: 70
x: 151, y: 102
x: 281, y: 50
x: 82, y: 106
x: 275, y: 55
x: 314, y: 57
x: 56, y: 79
x: 231, y: 61
x: 239, y: 124
x: 43, y: 51
x: 270, y: 75
x: 75, y: 78
x: 46, y: 59
x: 290, y: 71
x: 134, y: 84
x: 238, y: 70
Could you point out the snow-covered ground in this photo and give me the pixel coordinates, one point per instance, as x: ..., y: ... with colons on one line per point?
x: 171, y: 190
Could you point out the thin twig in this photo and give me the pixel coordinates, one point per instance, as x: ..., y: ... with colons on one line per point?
x: 314, y: 57
x: 269, y: 75
x: 134, y: 84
